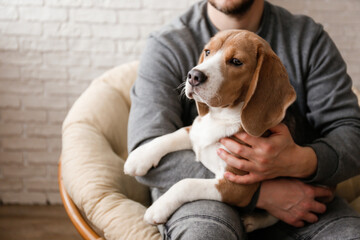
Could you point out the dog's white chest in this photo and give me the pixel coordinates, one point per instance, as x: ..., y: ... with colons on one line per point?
x: 205, y: 134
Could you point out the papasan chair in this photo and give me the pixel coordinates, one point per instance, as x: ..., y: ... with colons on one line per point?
x: 100, y: 200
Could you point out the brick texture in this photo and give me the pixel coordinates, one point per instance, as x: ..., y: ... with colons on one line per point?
x: 50, y: 50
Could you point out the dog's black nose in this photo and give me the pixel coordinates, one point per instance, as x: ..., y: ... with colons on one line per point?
x: 196, y: 77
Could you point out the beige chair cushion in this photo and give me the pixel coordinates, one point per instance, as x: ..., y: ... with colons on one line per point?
x: 94, y: 149
x: 350, y: 189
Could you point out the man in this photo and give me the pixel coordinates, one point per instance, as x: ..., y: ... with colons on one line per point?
x: 322, y: 151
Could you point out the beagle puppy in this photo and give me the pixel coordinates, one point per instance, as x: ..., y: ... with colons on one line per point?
x: 239, y: 84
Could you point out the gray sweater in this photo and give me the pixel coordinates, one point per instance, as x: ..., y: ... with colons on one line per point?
x: 326, y: 110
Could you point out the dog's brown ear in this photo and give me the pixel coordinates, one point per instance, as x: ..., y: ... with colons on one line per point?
x: 270, y: 94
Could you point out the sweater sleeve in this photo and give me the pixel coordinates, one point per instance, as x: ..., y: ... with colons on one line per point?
x: 156, y: 109
x: 333, y: 111
x: 155, y: 106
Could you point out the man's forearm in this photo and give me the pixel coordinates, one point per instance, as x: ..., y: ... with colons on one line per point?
x: 306, y: 162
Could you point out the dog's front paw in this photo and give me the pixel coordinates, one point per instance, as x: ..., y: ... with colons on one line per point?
x: 156, y: 214
x: 161, y: 209
x: 132, y: 168
x: 250, y: 223
x: 258, y: 220
x: 135, y: 164
x: 141, y: 160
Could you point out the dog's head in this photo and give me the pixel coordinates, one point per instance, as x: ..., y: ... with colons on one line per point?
x: 238, y: 66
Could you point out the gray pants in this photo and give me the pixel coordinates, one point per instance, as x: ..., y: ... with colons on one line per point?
x: 205, y: 219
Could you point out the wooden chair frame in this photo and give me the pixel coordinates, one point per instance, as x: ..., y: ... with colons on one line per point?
x: 74, y: 214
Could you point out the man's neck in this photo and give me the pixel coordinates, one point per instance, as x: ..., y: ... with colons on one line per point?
x: 249, y: 21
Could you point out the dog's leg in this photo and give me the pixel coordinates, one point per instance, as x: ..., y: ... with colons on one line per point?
x: 190, y: 189
x: 148, y: 155
x: 257, y: 220
x: 187, y: 190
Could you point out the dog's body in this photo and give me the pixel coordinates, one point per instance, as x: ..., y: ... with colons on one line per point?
x: 239, y: 85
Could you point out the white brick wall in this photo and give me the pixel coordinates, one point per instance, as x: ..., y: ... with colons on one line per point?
x: 50, y: 50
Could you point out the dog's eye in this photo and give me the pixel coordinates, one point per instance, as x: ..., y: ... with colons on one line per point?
x: 207, y: 53
x: 236, y: 62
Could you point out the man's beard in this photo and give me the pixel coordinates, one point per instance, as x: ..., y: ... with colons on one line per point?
x: 239, y: 9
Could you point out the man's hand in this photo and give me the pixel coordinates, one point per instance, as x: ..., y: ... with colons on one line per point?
x: 293, y: 201
x: 267, y: 157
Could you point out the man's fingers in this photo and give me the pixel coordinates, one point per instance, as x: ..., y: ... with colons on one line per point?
x: 310, y: 218
x: 322, y: 192
x: 295, y: 223
x: 245, y: 179
x: 246, y: 138
x: 318, y: 207
x: 236, y: 148
x: 235, y: 162
x: 281, y: 127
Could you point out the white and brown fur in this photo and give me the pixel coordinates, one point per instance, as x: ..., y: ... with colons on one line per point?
x: 250, y: 93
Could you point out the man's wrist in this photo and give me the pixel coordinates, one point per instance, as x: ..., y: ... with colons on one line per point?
x: 307, y: 162
x: 254, y: 201
x: 261, y: 196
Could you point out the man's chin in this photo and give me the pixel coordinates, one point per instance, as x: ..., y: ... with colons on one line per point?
x: 236, y: 8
